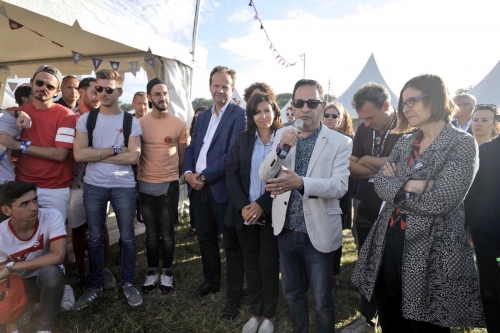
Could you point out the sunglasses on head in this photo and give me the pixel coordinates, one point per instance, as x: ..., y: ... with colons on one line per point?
x: 108, y: 91
x: 311, y: 103
x: 491, y: 107
x: 334, y: 115
x: 40, y: 83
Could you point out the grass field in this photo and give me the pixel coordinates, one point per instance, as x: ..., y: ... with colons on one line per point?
x: 178, y: 313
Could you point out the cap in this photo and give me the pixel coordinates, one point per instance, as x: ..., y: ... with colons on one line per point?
x: 51, y: 70
x: 153, y: 83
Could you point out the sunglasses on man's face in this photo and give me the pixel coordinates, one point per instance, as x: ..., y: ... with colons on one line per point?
x: 108, y: 91
x: 311, y: 103
x: 40, y: 83
x: 333, y: 115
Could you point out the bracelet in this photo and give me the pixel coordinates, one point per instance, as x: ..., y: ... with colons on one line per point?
x: 278, y: 150
x: 24, y: 145
x: 115, y: 149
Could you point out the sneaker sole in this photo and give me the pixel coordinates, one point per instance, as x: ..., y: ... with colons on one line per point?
x: 134, y: 305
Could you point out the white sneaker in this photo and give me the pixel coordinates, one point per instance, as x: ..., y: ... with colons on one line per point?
x: 150, y: 283
x: 252, y: 325
x: 68, y: 299
x: 359, y: 326
x: 166, y: 284
x: 267, y: 326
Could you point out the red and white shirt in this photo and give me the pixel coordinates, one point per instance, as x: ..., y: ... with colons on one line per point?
x: 48, y: 228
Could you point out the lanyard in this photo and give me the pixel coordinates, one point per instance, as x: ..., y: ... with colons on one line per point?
x: 383, y: 141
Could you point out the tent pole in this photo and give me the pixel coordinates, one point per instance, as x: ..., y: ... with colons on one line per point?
x: 195, y: 37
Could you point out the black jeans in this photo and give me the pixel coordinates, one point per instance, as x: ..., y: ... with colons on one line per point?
x: 260, y: 250
x: 159, y: 219
x: 209, y: 219
x: 388, y: 290
x: 368, y: 308
x: 48, y: 289
x: 486, y: 238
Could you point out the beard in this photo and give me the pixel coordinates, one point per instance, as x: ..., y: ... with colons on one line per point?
x: 159, y: 107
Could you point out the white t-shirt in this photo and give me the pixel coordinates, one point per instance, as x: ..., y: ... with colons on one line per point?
x: 8, y: 125
x: 108, y: 131
x: 48, y: 228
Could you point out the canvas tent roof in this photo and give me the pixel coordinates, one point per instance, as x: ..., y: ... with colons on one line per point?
x: 37, y: 32
x: 369, y: 73
x: 488, y: 90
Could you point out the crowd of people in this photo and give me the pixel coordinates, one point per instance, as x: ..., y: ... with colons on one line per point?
x: 279, y: 194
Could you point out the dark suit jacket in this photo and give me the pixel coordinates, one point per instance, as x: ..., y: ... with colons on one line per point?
x: 455, y: 123
x: 238, y: 181
x: 481, y: 203
x: 231, y: 123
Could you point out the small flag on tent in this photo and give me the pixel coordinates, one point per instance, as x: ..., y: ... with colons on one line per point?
x: 114, y: 65
x: 57, y: 44
x: 261, y: 26
x: 250, y: 4
x: 14, y: 25
x: 3, y: 12
x: 12, y: 86
x: 256, y: 17
x: 76, y: 57
x: 96, y: 62
x: 150, y: 61
x: 36, y: 33
x: 134, y: 65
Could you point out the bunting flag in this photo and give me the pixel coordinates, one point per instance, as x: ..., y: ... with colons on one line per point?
x: 134, y: 65
x: 14, y: 25
x: 76, y: 57
x: 96, y: 62
x: 114, y: 65
x: 57, y: 43
x: 3, y: 12
x: 12, y: 86
x: 256, y: 17
x: 250, y: 4
x: 37, y: 33
x: 150, y: 61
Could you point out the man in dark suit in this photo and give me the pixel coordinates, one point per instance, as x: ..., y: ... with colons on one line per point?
x: 205, y: 171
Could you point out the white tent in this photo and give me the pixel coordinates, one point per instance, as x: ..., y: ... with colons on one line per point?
x: 8, y: 100
x: 36, y: 32
x: 369, y: 73
x: 237, y: 95
x: 283, y: 111
x: 488, y: 90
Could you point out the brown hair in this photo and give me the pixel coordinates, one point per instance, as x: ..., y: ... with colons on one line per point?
x: 348, y: 128
x: 251, y: 110
x: 223, y: 69
x: 139, y: 93
x: 439, y: 102
x: 496, y: 118
x: 110, y: 74
x: 264, y: 87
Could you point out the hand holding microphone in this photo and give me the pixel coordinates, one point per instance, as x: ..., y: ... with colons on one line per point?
x: 290, y: 138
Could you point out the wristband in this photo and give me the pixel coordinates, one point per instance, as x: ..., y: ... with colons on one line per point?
x: 278, y: 150
x: 115, y: 150
x: 2, y: 155
x: 24, y: 145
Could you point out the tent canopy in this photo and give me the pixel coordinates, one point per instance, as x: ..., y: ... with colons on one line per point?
x: 488, y: 90
x: 369, y: 73
x: 46, y: 32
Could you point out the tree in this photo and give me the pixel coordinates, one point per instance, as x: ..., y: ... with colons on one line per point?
x: 125, y: 106
x: 197, y: 102
x: 329, y: 98
x: 282, y: 99
x: 463, y: 90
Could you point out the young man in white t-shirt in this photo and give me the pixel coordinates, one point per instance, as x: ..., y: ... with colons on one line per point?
x: 33, y: 246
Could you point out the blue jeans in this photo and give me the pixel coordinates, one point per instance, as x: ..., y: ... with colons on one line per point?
x: 159, y: 218
x: 122, y: 200
x: 298, y: 257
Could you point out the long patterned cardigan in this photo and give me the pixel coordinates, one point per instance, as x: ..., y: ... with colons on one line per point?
x: 439, y: 280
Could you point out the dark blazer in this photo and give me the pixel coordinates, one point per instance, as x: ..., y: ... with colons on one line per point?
x: 231, y: 123
x: 455, y: 123
x: 481, y: 203
x: 238, y: 181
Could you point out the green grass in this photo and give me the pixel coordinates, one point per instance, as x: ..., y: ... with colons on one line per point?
x: 178, y: 313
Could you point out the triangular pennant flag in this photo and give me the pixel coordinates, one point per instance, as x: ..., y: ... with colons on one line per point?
x: 57, y: 44
x: 250, y: 4
x: 14, y: 25
x: 3, y: 12
x: 277, y: 56
x: 114, y: 65
x: 134, y: 65
x: 96, y: 62
x: 256, y: 17
x: 150, y: 61
x: 261, y: 26
x: 77, y: 57
x: 271, y: 46
x: 293, y: 64
x: 36, y: 33
x: 12, y: 86
x: 284, y: 63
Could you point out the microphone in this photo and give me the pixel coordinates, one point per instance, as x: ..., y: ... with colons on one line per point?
x: 297, y: 126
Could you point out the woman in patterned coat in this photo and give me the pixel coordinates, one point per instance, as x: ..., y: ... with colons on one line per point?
x: 416, y: 259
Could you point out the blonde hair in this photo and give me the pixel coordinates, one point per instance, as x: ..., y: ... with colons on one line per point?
x: 110, y: 74
x: 347, y: 128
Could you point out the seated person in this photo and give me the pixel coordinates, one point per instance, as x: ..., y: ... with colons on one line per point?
x: 33, y: 245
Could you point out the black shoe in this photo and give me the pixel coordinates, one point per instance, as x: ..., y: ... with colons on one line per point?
x: 231, y: 310
x: 204, y: 290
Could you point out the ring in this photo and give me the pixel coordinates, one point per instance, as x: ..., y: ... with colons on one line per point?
x: 279, y: 188
x: 255, y: 216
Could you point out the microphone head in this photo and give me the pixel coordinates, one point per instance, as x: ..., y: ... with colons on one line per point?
x: 297, y: 125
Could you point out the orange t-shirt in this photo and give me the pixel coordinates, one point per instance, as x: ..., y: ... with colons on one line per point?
x: 159, y: 161
x: 54, y: 127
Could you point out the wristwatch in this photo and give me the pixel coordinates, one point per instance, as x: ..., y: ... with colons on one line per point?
x: 10, y: 266
x: 202, y: 178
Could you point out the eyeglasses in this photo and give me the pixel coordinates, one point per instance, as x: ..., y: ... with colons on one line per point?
x: 410, y: 102
x: 108, y: 91
x: 289, y: 114
x: 491, y: 107
x: 312, y: 103
x: 40, y: 83
x: 334, y: 115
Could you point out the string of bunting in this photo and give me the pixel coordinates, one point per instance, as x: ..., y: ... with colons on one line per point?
x: 77, y: 56
x: 282, y: 61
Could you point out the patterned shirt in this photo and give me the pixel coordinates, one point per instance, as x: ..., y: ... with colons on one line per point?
x: 294, y: 219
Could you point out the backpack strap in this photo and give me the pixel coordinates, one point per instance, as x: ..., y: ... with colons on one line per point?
x: 127, y: 127
x: 91, y: 120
